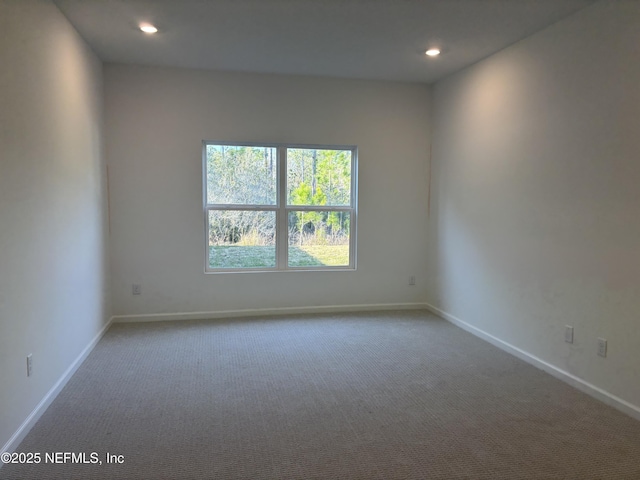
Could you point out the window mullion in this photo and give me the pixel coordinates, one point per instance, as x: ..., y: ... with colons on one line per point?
x: 231, y: 206
x: 282, y: 232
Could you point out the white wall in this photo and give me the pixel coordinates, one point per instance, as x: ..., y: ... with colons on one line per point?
x: 53, y: 255
x: 156, y: 120
x: 536, y: 198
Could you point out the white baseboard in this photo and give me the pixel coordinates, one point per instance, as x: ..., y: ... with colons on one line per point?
x: 158, y: 317
x: 576, y: 382
x: 37, y: 412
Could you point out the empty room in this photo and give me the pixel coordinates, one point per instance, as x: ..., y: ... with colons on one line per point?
x: 290, y: 239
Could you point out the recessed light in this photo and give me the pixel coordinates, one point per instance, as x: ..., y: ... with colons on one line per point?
x: 433, y: 52
x: 148, y: 28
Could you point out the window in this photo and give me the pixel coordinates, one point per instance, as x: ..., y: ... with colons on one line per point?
x: 272, y: 207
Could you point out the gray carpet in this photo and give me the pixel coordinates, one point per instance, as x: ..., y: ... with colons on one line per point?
x: 400, y: 395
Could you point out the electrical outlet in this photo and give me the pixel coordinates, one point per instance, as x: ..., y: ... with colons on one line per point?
x: 568, y: 333
x: 412, y: 280
x: 602, y: 347
x: 136, y: 289
x: 29, y: 364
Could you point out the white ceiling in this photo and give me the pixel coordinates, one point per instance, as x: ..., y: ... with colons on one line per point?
x: 372, y: 39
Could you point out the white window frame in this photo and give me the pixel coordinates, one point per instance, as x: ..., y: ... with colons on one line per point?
x: 281, y: 208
